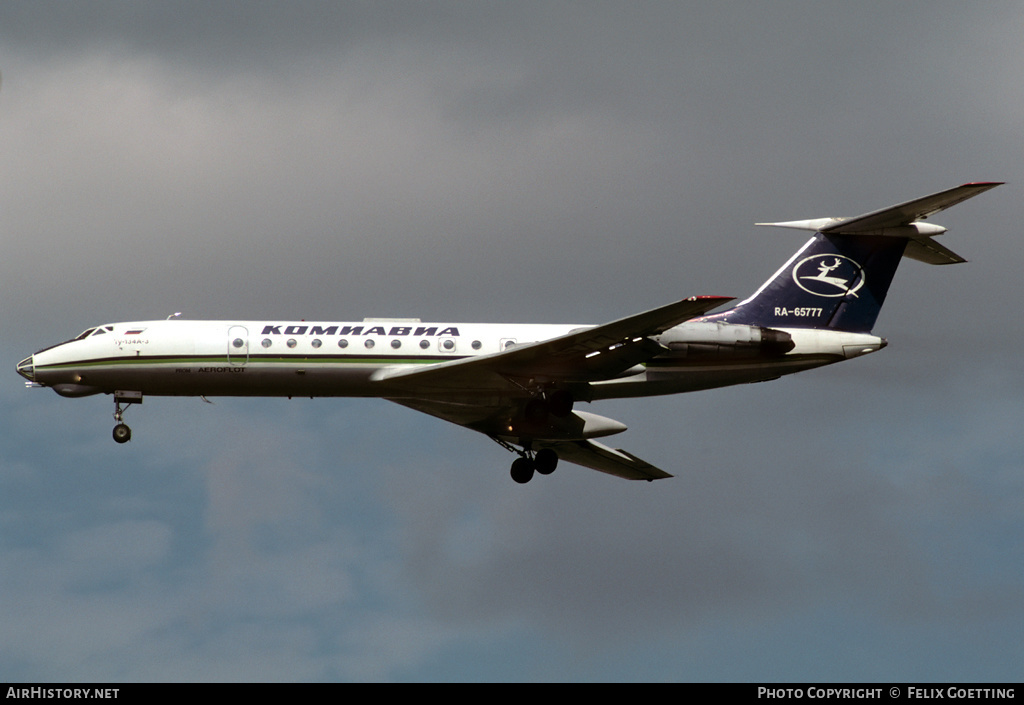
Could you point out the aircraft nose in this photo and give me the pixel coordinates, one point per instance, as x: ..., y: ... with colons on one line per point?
x: 26, y: 368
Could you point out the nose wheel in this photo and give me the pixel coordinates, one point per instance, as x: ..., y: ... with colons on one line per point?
x: 122, y: 433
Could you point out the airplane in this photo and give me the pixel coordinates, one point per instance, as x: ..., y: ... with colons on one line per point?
x: 519, y: 384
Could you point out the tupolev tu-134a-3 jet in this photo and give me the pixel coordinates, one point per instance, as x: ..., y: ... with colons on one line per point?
x: 522, y: 385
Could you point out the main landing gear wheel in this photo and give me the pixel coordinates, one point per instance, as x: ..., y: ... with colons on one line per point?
x: 122, y: 434
x: 522, y: 470
x: 545, y: 461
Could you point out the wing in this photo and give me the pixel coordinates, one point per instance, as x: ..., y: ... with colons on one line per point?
x: 583, y: 355
x: 487, y: 393
x: 489, y: 419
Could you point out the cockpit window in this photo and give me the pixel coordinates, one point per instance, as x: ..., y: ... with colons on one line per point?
x: 81, y: 336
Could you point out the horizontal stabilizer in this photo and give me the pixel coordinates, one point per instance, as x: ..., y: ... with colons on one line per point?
x: 903, y: 214
x: 902, y: 221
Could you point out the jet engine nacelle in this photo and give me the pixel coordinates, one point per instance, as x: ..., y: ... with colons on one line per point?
x: 711, y: 339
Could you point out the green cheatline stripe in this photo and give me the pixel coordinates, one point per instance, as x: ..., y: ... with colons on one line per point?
x: 253, y: 359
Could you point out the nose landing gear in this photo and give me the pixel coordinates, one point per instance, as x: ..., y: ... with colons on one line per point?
x: 122, y: 433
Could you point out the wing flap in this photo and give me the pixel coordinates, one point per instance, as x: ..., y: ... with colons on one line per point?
x: 613, y: 461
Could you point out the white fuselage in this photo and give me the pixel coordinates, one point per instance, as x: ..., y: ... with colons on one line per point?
x: 303, y: 358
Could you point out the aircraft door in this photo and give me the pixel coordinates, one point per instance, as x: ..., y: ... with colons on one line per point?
x: 238, y: 346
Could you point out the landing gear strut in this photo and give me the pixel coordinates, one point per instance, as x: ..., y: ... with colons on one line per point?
x: 122, y: 433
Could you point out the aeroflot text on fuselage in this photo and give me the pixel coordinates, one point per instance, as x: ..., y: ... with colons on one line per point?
x: 357, y: 330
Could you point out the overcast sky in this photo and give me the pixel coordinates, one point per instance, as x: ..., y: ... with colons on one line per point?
x: 525, y: 162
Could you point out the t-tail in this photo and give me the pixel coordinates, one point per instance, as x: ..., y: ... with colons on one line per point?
x: 839, y: 279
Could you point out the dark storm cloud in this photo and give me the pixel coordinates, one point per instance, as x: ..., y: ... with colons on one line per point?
x: 236, y: 34
x: 430, y: 129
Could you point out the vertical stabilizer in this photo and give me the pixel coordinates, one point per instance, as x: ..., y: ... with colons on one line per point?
x: 839, y: 279
x: 833, y: 282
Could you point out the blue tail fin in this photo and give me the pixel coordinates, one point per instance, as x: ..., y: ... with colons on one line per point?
x: 835, y: 282
x: 839, y: 279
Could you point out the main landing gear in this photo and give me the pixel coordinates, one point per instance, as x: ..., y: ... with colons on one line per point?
x: 546, y: 406
x: 543, y: 461
x: 122, y: 433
